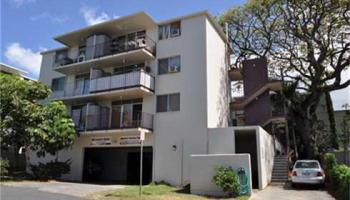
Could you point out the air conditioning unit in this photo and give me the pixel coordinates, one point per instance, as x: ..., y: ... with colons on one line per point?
x: 173, y: 69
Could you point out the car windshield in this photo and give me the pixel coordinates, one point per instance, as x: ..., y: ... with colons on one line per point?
x: 307, y: 165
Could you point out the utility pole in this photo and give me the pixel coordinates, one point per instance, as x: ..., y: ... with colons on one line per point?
x: 142, y: 138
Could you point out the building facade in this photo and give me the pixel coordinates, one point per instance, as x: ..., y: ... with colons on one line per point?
x: 132, y: 76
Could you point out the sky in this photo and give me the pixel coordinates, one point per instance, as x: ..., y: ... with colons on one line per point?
x: 28, y: 26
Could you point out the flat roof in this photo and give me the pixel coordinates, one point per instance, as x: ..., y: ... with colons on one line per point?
x: 12, y: 70
x: 136, y: 21
x: 122, y: 25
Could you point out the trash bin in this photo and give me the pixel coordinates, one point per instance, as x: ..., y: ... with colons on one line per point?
x: 244, y: 178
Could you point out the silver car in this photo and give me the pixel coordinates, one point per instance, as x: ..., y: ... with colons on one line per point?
x: 308, y: 172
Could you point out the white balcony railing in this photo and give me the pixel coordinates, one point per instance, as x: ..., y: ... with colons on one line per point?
x: 107, y: 83
x: 122, y: 81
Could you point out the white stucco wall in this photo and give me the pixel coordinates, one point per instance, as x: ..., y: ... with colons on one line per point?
x: 217, y: 84
x: 266, y: 153
x: 221, y: 140
x: 202, y: 168
x: 187, y: 128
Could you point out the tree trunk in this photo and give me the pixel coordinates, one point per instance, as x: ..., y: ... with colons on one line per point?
x: 331, y: 118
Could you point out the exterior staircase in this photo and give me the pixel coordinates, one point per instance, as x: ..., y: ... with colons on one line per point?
x: 280, y: 169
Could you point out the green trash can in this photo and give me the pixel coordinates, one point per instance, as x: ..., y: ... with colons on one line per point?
x: 244, y: 178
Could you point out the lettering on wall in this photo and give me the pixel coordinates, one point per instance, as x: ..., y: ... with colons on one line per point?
x: 100, y: 141
x: 129, y: 140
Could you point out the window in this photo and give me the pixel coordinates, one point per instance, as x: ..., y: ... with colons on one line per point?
x: 58, y: 84
x: 169, y: 65
x: 170, y: 30
x: 168, y: 102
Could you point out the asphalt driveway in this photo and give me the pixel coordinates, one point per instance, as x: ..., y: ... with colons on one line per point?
x: 23, y: 193
x: 51, y: 190
x: 286, y: 192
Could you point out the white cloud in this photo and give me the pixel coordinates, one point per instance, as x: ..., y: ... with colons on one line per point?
x: 19, y: 3
x: 53, y: 18
x: 24, y: 58
x: 92, y: 17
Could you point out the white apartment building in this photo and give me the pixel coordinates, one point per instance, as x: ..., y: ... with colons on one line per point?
x: 134, y: 75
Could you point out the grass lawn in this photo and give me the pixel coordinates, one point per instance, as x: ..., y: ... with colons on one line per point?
x: 152, y: 192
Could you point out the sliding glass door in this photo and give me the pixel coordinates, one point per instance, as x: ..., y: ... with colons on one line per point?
x: 126, y: 115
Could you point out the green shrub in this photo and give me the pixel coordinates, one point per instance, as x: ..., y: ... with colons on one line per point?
x: 50, y: 170
x: 341, y: 180
x: 330, y: 161
x: 227, y: 180
x: 4, y: 166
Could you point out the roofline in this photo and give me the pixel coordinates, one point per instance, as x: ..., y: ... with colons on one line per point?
x: 14, y: 68
x: 102, y: 23
x: 196, y: 14
x: 53, y: 50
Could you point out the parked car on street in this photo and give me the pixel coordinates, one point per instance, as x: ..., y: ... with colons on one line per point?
x: 308, y: 172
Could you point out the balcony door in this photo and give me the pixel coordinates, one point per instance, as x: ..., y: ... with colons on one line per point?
x: 79, y: 116
x: 126, y: 115
x: 82, y: 84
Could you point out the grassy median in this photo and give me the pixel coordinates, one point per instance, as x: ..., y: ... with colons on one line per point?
x: 152, y: 192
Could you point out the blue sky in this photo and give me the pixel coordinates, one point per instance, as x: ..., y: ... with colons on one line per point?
x: 28, y: 26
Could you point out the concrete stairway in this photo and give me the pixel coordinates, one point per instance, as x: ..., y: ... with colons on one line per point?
x: 280, y: 169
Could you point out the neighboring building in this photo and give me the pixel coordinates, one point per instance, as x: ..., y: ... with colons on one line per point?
x: 7, y: 69
x: 168, y: 80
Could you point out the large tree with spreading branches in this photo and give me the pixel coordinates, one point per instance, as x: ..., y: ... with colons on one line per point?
x: 308, y: 42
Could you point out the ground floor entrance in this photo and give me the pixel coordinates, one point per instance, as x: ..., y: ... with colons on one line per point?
x: 245, y: 141
x: 117, y: 165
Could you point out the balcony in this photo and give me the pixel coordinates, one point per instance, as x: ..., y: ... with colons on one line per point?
x: 113, y: 52
x: 130, y: 85
x: 123, y: 122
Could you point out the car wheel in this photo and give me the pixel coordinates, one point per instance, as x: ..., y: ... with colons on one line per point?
x: 294, y: 185
x: 322, y: 185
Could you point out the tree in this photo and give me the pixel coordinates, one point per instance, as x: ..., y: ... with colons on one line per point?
x: 309, y: 41
x: 25, y: 122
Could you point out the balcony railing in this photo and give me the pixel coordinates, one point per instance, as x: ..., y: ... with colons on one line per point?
x: 107, y: 83
x: 121, y: 120
x: 109, y: 48
x: 122, y: 81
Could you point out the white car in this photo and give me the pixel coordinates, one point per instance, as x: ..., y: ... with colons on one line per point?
x: 308, y: 172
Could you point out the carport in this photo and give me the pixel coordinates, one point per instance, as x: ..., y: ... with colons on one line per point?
x: 117, y: 165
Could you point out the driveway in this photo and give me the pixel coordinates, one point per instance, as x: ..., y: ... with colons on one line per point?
x: 286, y: 192
x: 23, y: 193
x: 57, y: 187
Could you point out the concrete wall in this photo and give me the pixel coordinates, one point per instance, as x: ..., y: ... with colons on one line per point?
x: 221, y: 140
x: 202, y: 168
x: 266, y: 153
x: 218, y: 92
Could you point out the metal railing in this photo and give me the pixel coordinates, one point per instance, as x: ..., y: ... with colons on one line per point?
x: 121, y: 120
x: 108, y: 83
x: 122, y: 81
x: 110, y: 48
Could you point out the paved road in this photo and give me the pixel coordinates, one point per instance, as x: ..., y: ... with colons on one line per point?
x: 64, y: 188
x: 26, y: 193
x: 285, y: 192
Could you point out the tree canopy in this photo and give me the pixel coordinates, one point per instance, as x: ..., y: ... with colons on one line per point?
x: 308, y: 41
x: 27, y: 122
